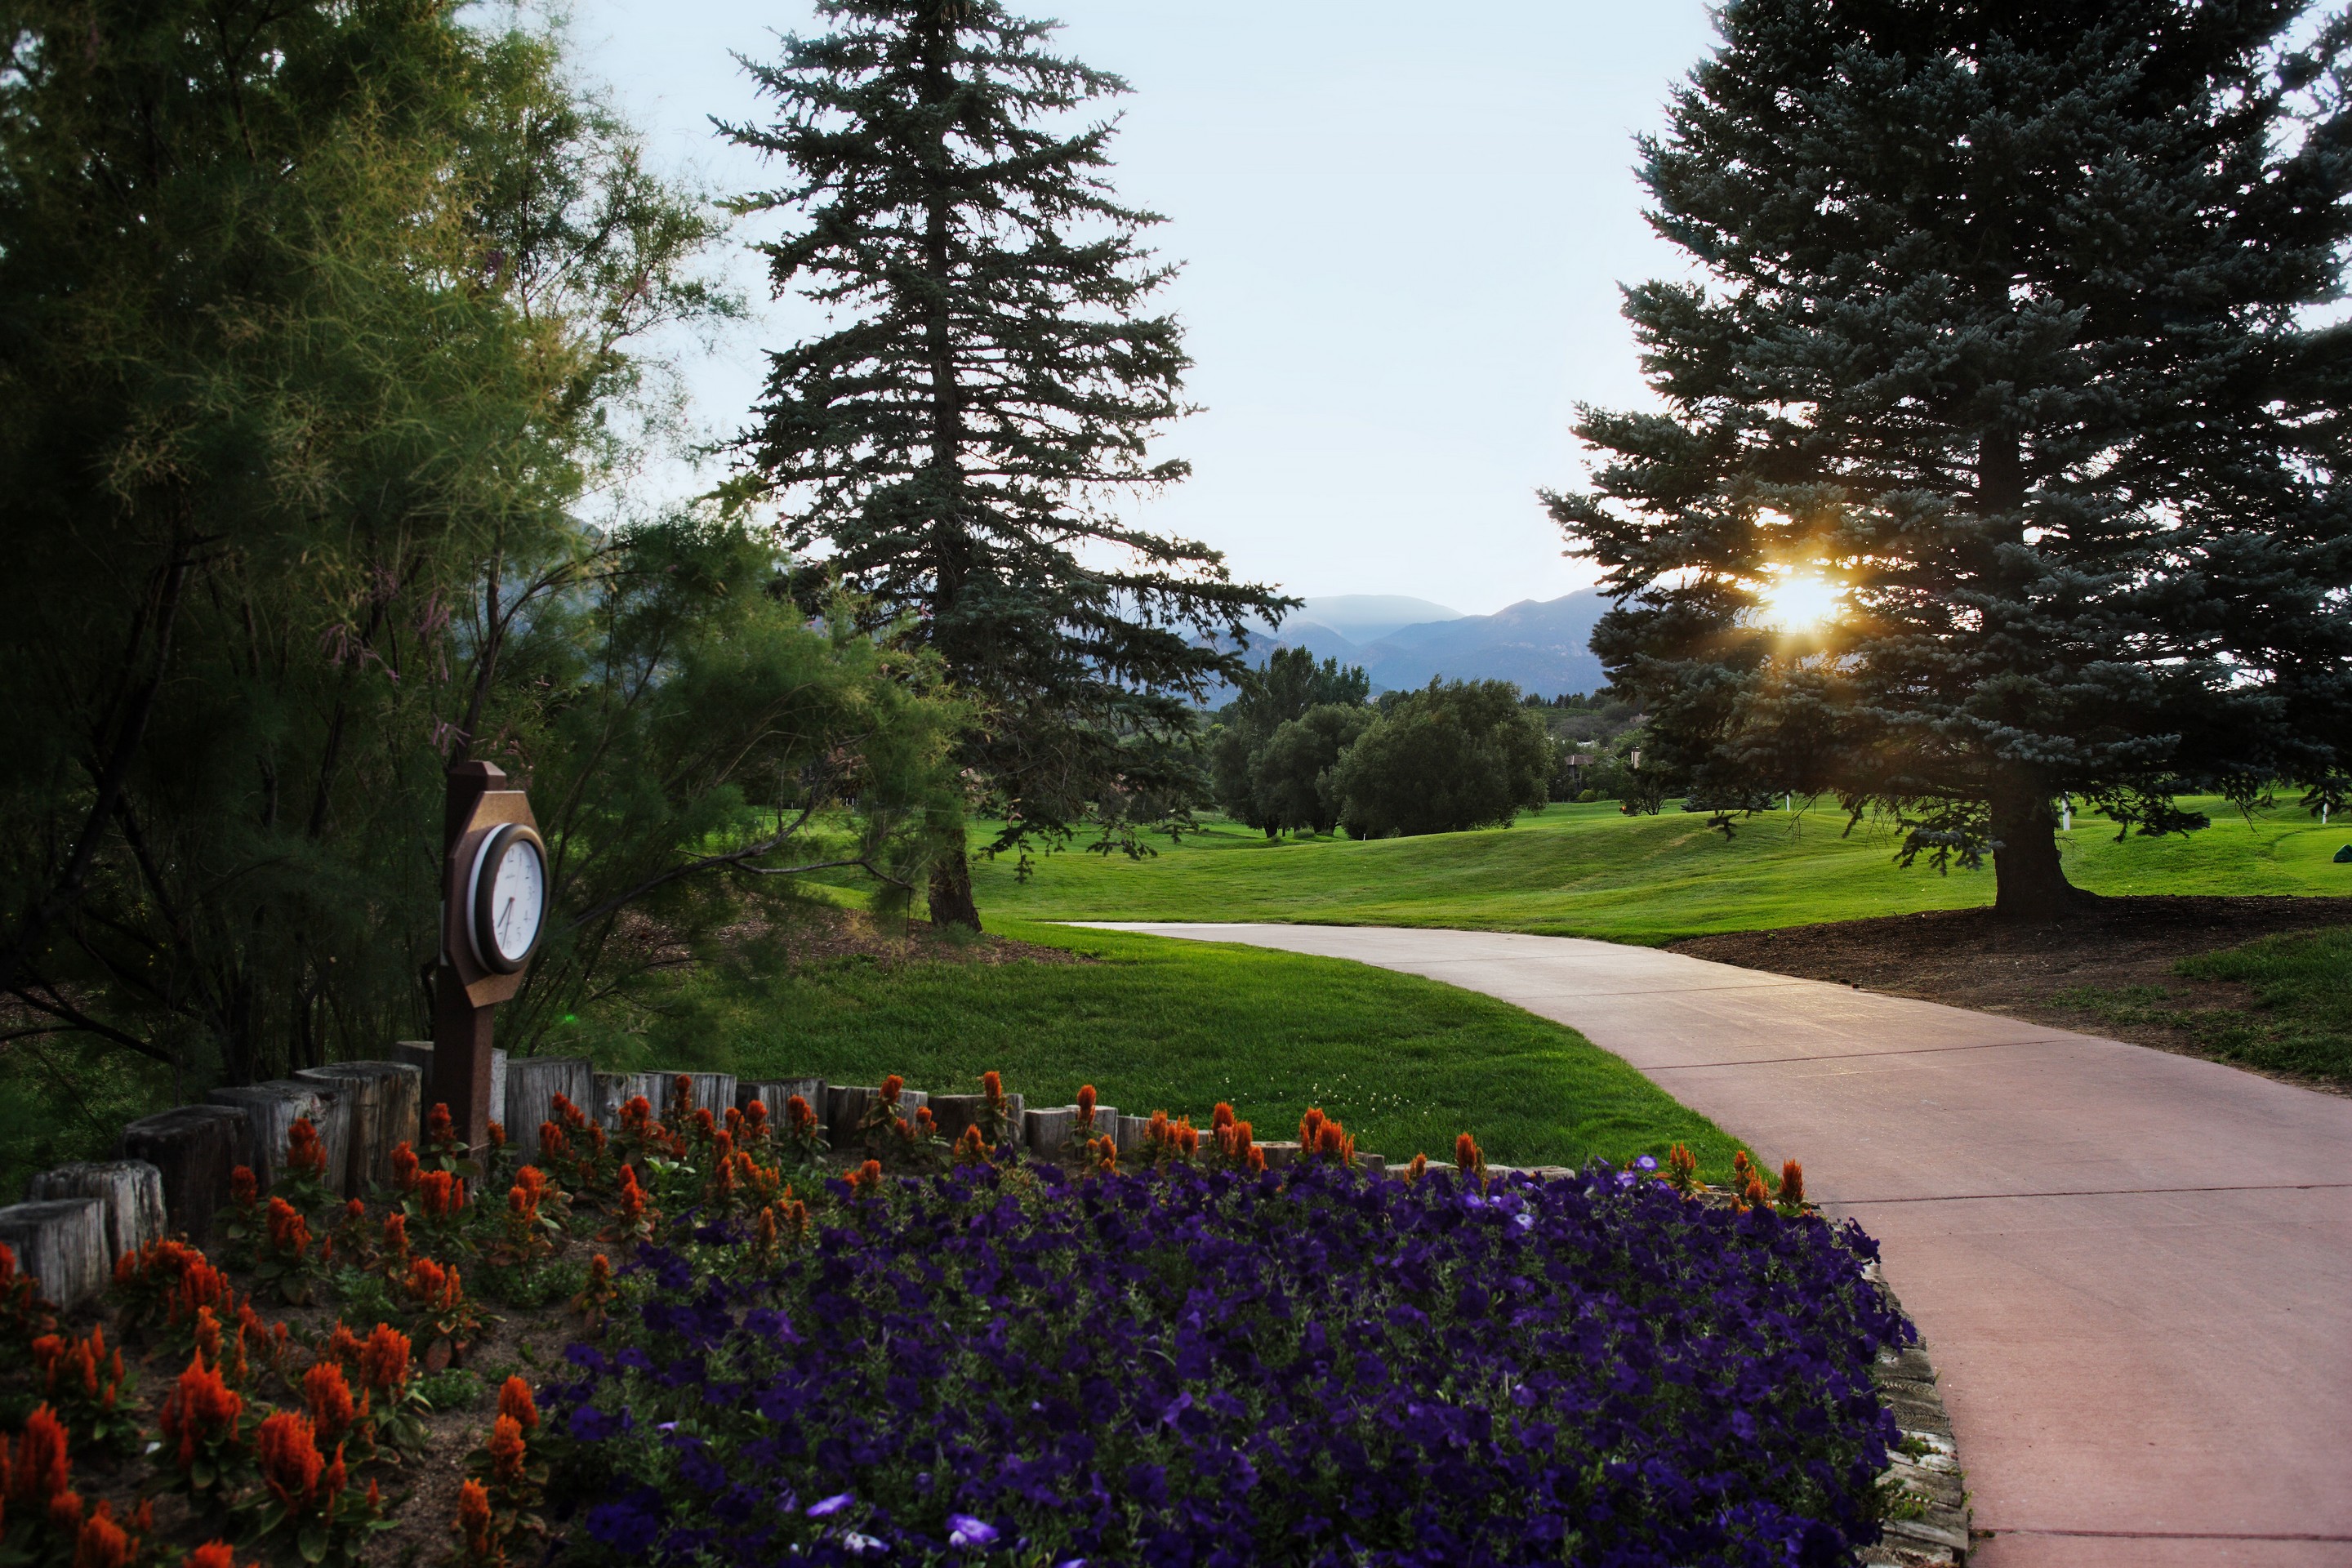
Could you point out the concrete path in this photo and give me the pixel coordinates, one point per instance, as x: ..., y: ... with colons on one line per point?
x: 2132, y: 1269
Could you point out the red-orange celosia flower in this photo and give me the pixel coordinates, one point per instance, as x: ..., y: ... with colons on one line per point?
x: 1793, y: 1183
x: 506, y: 1451
x: 288, y: 1231
x: 991, y: 1086
x: 384, y: 1358
x: 242, y: 1188
x: 1466, y: 1155
x: 211, y: 1554
x: 305, y: 1155
x: 514, y: 1400
x: 41, y: 1469
x: 868, y: 1177
x: 438, y: 1126
x: 65, y: 1512
x: 552, y: 1144
x: 328, y: 1396
x: 474, y: 1518
x: 288, y: 1447
x: 1223, y: 1116
x: 102, y: 1543
x: 202, y: 1407
x: 1087, y: 1102
x: 403, y: 1165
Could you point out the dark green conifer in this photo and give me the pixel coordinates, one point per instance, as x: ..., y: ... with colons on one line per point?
x: 2009, y: 333
x: 984, y: 389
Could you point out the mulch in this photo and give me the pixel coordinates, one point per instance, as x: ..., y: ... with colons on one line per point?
x: 1969, y: 958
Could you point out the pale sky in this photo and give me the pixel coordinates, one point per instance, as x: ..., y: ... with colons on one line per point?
x: 1402, y: 229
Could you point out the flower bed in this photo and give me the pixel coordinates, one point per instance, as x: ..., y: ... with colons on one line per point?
x: 1208, y: 1363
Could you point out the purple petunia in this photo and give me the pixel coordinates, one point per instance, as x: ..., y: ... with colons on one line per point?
x: 965, y: 1531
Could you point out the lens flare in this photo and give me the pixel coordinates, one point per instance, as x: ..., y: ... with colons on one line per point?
x: 1798, y: 602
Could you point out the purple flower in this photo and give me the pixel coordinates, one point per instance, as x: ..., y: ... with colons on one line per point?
x: 825, y: 1508
x: 965, y: 1531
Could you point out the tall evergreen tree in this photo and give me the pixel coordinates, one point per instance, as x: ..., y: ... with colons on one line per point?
x: 989, y: 378
x: 2006, y: 345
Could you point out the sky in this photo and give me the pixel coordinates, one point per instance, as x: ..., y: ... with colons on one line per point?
x: 1403, y: 230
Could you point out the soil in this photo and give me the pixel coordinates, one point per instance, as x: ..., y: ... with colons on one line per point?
x: 813, y: 935
x: 1969, y: 958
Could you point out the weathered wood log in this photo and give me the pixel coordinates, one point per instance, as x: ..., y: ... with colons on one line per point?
x: 131, y: 1190
x: 271, y: 1111
x: 194, y: 1148
x: 1373, y: 1164
x: 711, y: 1092
x: 1048, y: 1131
x: 62, y: 1244
x: 1280, y: 1154
x: 614, y: 1090
x: 1130, y: 1136
x: 386, y: 1110
x: 419, y: 1055
x: 532, y: 1084
x: 773, y: 1092
x: 954, y: 1112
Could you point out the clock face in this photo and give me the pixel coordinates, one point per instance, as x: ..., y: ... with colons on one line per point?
x: 508, y: 899
x: 517, y: 901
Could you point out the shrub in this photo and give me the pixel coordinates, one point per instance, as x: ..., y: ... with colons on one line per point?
x: 1453, y: 755
x: 1213, y: 1366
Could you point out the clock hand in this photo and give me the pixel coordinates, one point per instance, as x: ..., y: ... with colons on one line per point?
x: 506, y: 915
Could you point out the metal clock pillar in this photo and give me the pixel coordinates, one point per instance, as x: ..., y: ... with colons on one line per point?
x: 466, y: 991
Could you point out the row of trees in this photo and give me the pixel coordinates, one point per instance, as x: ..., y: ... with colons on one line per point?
x: 1302, y: 748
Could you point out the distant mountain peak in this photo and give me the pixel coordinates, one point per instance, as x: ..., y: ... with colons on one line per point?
x: 1538, y: 645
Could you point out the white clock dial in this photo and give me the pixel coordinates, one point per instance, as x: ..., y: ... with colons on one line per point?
x: 517, y: 901
x: 508, y: 897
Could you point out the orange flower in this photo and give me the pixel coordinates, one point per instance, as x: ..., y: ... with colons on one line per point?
x: 1741, y: 1168
x: 1682, y: 1168
x: 1257, y: 1159
x: 329, y: 1398
x: 1753, y: 1194
x: 202, y: 1287
x: 1332, y: 1142
x: 514, y: 1400
x: 681, y: 1097
x: 288, y: 1231
x: 1087, y: 1102
x: 991, y: 1085
x: 1793, y: 1183
x: 334, y: 1479
x: 41, y: 1470
x: 568, y: 1114
x: 1221, y: 1117
x: 211, y: 1554
x: 242, y: 1188
x: 291, y: 1460
x: 755, y: 1120
x: 383, y: 1360
x: 1106, y: 1154
x: 705, y: 1126
x: 474, y: 1518
x: 637, y: 1115
x: 797, y: 1114
x: 395, y: 1237
x: 202, y: 1408
x: 631, y: 1199
x: 442, y: 1192
x: 433, y: 1288
x: 403, y: 1165
x: 342, y: 1346
x: 891, y: 1088
x: 102, y: 1543
x: 497, y: 1135
x: 867, y: 1177
x: 972, y: 1148
x: 304, y: 1153
x: 65, y: 1512
x: 600, y: 1274
x: 1418, y: 1169
x: 438, y: 1127
x: 1467, y: 1156
x: 1310, y: 1130
x: 551, y: 1143
x: 506, y: 1451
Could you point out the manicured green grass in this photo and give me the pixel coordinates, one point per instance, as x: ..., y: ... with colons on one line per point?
x: 2301, y: 1020
x: 1157, y: 1024
x: 1586, y: 870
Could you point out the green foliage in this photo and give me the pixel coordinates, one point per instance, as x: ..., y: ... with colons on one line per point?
x: 990, y: 377
x: 1292, y: 775
x: 2005, y: 355
x: 1283, y: 690
x: 321, y: 335
x: 1178, y: 1026
x: 1453, y: 755
x: 1587, y: 871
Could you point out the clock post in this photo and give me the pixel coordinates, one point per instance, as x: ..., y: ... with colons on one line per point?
x: 486, y: 827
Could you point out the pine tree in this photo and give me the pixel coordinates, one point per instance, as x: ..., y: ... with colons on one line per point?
x: 989, y: 382
x: 2006, y: 346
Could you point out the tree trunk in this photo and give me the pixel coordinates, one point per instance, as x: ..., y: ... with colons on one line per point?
x: 951, y: 892
x: 2029, y: 882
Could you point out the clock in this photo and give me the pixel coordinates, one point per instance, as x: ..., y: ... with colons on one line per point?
x: 506, y: 898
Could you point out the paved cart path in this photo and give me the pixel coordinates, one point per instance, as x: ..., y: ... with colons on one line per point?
x: 2132, y: 1269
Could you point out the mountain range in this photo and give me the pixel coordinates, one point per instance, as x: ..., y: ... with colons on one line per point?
x: 1538, y: 644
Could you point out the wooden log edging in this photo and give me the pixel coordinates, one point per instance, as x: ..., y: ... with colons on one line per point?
x: 386, y: 1110
x: 195, y: 1147
x: 1927, y: 1468
x: 61, y: 1243
x: 131, y: 1190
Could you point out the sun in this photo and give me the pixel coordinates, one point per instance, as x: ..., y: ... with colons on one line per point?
x: 1799, y: 602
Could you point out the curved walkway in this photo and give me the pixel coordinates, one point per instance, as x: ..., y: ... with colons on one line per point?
x: 2134, y: 1269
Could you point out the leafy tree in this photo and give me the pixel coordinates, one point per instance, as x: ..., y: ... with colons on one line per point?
x: 990, y: 379
x: 1285, y: 687
x: 318, y: 328
x: 2004, y: 360
x: 1453, y: 755
x: 1291, y: 777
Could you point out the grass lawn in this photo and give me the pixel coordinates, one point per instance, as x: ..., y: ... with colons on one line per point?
x: 1177, y: 1026
x: 2297, y: 1020
x: 1586, y: 870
